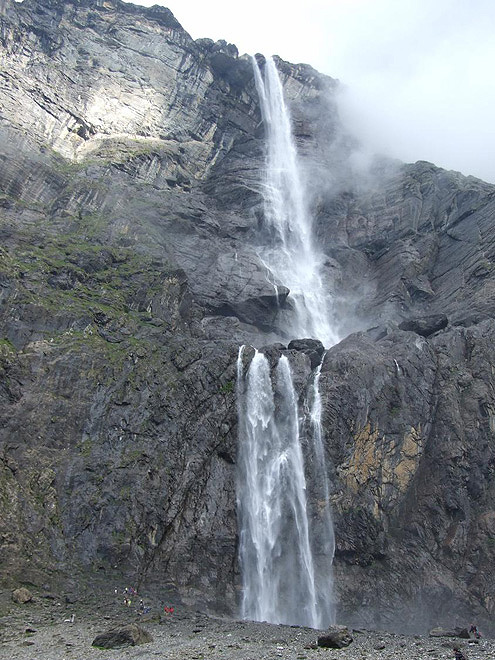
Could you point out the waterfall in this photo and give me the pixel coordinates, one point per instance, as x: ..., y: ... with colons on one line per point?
x: 286, y: 541
x: 275, y: 552
x: 290, y: 253
x: 323, y: 539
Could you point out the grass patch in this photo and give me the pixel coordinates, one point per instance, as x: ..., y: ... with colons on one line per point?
x: 79, y: 277
x: 227, y: 388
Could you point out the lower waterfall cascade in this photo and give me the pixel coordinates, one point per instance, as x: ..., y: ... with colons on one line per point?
x: 285, y: 554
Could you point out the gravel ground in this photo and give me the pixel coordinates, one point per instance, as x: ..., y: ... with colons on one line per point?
x: 39, y: 631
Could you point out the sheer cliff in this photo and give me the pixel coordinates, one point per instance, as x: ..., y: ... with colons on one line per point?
x: 130, y: 220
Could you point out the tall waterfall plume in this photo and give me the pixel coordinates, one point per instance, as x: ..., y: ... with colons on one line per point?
x: 286, y: 541
x: 290, y: 255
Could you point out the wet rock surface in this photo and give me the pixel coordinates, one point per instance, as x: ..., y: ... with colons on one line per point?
x: 412, y: 449
x: 130, y: 222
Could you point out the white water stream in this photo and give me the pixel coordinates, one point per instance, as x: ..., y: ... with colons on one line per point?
x: 291, y: 254
x: 276, y: 558
x: 286, y: 540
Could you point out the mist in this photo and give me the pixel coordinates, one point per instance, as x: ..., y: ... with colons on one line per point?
x: 417, y: 84
x: 416, y: 75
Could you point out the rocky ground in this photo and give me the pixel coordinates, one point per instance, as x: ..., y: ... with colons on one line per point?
x: 42, y: 630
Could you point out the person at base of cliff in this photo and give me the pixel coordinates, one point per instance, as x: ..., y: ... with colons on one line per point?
x: 474, y: 631
x: 458, y: 654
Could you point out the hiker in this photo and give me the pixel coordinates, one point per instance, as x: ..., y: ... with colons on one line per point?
x: 458, y: 654
x: 474, y: 631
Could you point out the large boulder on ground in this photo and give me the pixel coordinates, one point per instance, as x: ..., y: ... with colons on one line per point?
x: 131, y: 635
x: 336, y: 637
x: 463, y: 633
x: 22, y: 595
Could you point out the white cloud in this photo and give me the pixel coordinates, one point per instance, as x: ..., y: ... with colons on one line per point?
x: 420, y: 86
x: 419, y: 73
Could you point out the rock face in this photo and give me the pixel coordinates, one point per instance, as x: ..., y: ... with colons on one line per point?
x: 130, y: 216
x: 410, y: 433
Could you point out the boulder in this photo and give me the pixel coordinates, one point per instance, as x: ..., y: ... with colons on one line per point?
x: 313, y: 348
x: 22, y: 595
x: 336, y: 637
x: 425, y: 326
x: 463, y: 633
x: 131, y: 635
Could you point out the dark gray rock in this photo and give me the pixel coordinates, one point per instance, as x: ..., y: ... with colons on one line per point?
x: 425, y: 326
x: 336, y: 637
x: 313, y: 348
x: 391, y: 410
x: 130, y: 635
x: 462, y: 633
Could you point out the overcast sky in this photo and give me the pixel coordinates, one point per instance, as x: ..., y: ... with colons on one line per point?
x: 419, y: 74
